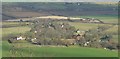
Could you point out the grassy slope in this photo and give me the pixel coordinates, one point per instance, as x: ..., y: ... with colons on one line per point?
x: 32, y: 50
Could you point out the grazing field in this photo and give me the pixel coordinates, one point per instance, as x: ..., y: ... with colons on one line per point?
x: 10, y: 23
x: 86, y: 26
x: 104, y: 18
x: 114, y: 29
x: 29, y: 50
x: 14, y: 30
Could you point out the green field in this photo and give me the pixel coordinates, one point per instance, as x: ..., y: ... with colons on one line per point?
x: 26, y: 49
x: 14, y: 30
x: 104, y: 18
x: 86, y: 26
x: 29, y: 50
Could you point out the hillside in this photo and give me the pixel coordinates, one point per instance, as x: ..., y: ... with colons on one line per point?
x: 19, y: 9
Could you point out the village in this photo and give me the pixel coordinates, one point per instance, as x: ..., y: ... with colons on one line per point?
x: 59, y: 33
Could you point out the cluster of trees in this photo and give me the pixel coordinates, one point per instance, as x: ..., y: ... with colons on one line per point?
x: 99, y: 39
x: 47, y: 32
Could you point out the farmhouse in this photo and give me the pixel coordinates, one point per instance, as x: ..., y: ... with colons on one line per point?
x: 78, y: 34
x: 34, y: 40
x: 20, y: 38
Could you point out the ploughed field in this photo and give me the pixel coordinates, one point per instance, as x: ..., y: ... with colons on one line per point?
x: 25, y: 49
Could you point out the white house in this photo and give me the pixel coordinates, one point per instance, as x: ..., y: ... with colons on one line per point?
x: 20, y: 38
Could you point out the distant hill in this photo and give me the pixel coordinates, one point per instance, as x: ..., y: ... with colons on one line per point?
x: 30, y: 9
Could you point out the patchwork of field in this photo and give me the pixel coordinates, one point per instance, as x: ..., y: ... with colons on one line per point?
x: 106, y: 12
x: 26, y: 49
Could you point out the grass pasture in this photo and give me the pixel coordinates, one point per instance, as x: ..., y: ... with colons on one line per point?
x: 104, y: 18
x: 114, y: 29
x: 14, y: 24
x: 14, y: 30
x: 86, y: 26
x: 37, y: 51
